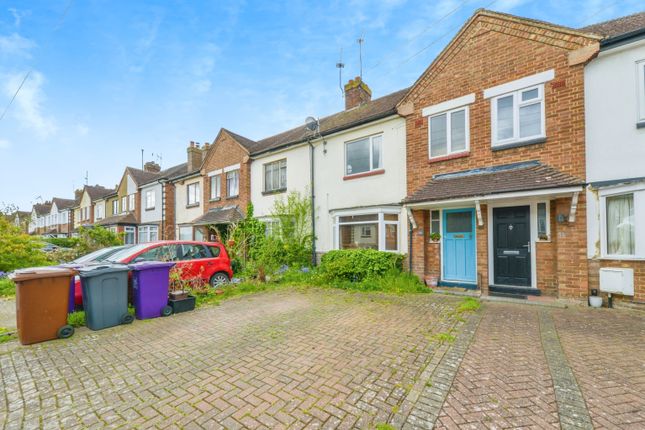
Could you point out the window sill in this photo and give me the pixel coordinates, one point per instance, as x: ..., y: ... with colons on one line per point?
x: 150, y: 209
x: 193, y: 205
x: 527, y: 142
x: 217, y: 199
x: 449, y: 157
x: 640, y: 124
x: 232, y: 197
x: 623, y: 257
x: 364, y: 174
x: 280, y: 191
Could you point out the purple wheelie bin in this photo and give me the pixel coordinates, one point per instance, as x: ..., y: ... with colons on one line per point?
x: 150, y: 281
x: 72, y: 300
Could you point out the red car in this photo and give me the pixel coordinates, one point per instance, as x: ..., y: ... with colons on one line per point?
x: 210, y: 261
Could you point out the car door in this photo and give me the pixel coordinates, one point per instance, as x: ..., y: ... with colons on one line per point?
x: 196, y: 260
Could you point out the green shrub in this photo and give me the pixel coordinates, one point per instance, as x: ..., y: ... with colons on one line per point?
x: 358, y: 264
x: 7, y: 288
x: 19, y: 250
x: 97, y: 237
x: 63, y: 242
x: 76, y: 319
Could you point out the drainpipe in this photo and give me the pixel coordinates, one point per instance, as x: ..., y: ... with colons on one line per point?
x: 313, y: 205
x: 410, y: 246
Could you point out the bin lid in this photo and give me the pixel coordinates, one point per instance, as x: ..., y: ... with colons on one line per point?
x: 100, y: 269
x: 144, y: 265
x: 40, y: 272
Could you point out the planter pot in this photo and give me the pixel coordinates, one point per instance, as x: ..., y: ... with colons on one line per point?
x: 432, y: 281
x: 182, y: 305
x: 595, y: 301
x: 219, y: 291
x: 178, y: 295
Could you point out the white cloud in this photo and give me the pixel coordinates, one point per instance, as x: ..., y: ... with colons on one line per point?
x: 4, y: 144
x: 18, y: 15
x: 27, y: 108
x: 16, y: 45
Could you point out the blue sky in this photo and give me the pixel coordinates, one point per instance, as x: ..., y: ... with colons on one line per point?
x: 108, y: 78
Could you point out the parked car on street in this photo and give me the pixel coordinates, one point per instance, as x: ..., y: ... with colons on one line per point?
x: 206, y: 260
x: 99, y: 255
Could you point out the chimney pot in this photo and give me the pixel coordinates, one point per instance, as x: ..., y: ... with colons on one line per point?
x: 356, y: 93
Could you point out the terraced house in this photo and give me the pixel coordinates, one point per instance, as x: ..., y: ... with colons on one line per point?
x: 496, y: 159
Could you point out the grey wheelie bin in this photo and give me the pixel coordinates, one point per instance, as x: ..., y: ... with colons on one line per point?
x: 105, y: 295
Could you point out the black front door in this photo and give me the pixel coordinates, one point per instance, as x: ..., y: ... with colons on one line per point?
x: 512, y: 246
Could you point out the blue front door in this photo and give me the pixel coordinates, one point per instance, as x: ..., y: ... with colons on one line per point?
x: 459, y: 245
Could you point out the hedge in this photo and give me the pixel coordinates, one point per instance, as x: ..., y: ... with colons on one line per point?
x: 359, y: 264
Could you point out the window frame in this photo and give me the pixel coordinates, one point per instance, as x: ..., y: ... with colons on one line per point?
x: 132, y: 202
x: 517, y: 105
x: 640, y: 84
x: 380, y: 222
x: 449, y: 150
x: 638, y: 191
x: 129, y: 229
x: 150, y: 198
x: 218, y: 188
x: 370, y: 139
x: 115, y: 207
x: 547, y: 204
x: 235, y: 172
x: 197, y: 199
x: 124, y: 204
x: 281, y: 163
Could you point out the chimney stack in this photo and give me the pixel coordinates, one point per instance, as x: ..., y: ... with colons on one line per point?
x: 151, y: 166
x: 194, y: 156
x: 356, y: 93
x: 205, y: 149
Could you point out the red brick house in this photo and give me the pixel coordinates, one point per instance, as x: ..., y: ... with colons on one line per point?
x: 496, y: 159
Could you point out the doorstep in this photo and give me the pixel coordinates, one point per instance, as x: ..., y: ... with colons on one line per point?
x: 551, y: 302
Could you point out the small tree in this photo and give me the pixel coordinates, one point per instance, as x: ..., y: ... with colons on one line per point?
x: 246, y: 238
x: 294, y: 229
x: 18, y: 250
x: 93, y: 238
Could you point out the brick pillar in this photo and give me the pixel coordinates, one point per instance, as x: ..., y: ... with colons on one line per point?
x: 571, y: 240
x: 418, y: 243
x: 482, y: 250
x: 168, y: 208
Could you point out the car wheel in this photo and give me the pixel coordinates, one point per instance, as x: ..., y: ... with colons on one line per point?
x: 219, y: 278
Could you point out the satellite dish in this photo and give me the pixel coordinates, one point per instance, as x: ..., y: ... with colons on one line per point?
x: 311, y: 123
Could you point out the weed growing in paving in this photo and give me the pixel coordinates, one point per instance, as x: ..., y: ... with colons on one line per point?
x: 7, y: 288
x: 383, y: 426
x: 76, y: 319
x: 6, y: 335
x: 444, y: 337
x: 468, y: 305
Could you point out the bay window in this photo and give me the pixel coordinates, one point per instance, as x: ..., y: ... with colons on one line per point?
x: 131, y: 204
x: 186, y: 233
x: 124, y: 204
x: 620, y: 225
x: 364, y: 155
x: 115, y: 207
x: 128, y: 236
x: 275, y: 176
x: 376, y: 230
x: 148, y: 233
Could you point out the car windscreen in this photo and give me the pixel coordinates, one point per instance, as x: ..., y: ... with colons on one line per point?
x: 98, y: 255
x: 124, y: 254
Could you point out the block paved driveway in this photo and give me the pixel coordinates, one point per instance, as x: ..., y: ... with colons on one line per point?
x: 330, y: 359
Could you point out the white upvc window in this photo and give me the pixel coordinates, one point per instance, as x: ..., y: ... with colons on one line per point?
x: 115, y: 207
x: 192, y: 194
x: 448, y: 133
x: 131, y: 204
x: 275, y: 176
x: 148, y: 233
x: 233, y: 183
x: 640, y: 79
x: 543, y: 221
x: 186, y: 233
x: 98, y: 212
x: 150, y: 199
x: 622, y: 222
x: 216, y: 187
x: 129, y: 237
x: 124, y: 204
x: 364, y: 155
x: 518, y: 116
x: 373, y: 230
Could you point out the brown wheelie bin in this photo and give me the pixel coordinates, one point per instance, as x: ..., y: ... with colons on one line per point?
x: 42, y: 298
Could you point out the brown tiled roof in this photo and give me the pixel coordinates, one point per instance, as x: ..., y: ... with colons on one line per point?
x: 247, y: 143
x: 141, y: 177
x: 170, y: 173
x: 97, y: 191
x: 128, y: 218
x: 42, y: 208
x: 618, y: 26
x: 371, y: 111
x: 64, y: 203
x: 526, y: 176
x: 223, y: 215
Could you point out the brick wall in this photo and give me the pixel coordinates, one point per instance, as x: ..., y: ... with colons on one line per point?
x: 639, y: 278
x: 168, y: 228
x: 224, y: 152
x: 490, y: 51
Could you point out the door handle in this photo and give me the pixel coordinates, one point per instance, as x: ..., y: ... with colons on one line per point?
x: 528, y: 247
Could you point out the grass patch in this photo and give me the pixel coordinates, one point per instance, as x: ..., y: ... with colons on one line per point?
x: 76, y: 319
x: 444, y: 337
x: 468, y: 304
x: 7, y: 287
x: 383, y: 426
x: 6, y: 335
x: 213, y: 296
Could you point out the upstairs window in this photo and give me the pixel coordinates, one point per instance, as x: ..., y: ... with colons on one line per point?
x: 233, y: 183
x: 364, y: 155
x: 216, y: 187
x: 115, y: 207
x: 518, y: 116
x: 150, y: 199
x: 640, y: 74
x: 131, y: 204
x: 448, y: 133
x: 192, y: 194
x: 275, y: 176
x: 124, y: 204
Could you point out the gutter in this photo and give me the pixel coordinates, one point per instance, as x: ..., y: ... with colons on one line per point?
x: 622, y: 39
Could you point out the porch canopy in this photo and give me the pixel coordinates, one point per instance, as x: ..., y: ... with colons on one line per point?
x: 509, y: 181
x: 125, y: 219
x: 223, y: 215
